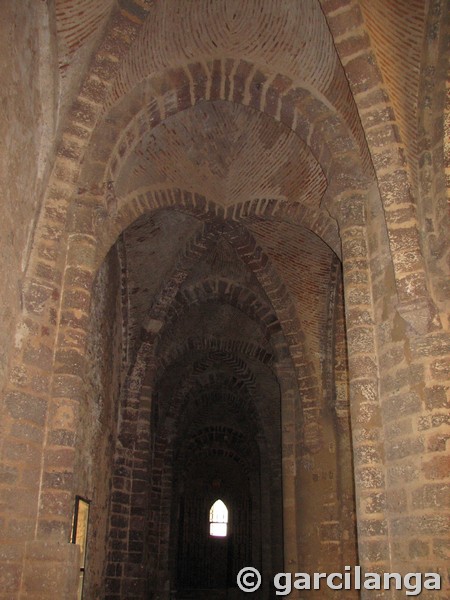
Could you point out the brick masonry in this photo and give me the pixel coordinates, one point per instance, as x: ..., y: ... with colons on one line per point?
x: 225, y: 242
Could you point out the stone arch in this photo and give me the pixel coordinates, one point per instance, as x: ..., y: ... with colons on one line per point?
x: 247, y: 248
x: 246, y: 349
x: 81, y: 217
x: 318, y: 221
x: 391, y: 170
x: 79, y: 240
x: 288, y: 383
x: 47, y: 371
x: 241, y: 297
x: 434, y: 117
x: 242, y: 379
x: 89, y: 105
x: 240, y: 449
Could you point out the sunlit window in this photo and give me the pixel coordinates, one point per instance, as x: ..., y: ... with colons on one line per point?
x: 218, y: 519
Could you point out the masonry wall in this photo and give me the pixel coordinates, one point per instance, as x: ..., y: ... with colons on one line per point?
x: 99, y: 414
x: 28, y: 122
x: 414, y: 413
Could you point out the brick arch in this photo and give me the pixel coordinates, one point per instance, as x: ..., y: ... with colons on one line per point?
x: 81, y: 232
x: 147, y: 362
x: 211, y: 348
x: 252, y: 255
x: 79, y: 134
x: 204, y: 376
x: 198, y: 375
x: 380, y: 123
x: 316, y: 66
x: 277, y: 96
x: 81, y: 260
x: 318, y: 221
x: 84, y: 219
x: 239, y: 296
x: 290, y: 337
x: 247, y: 248
x: 200, y: 386
x: 88, y: 128
x: 79, y: 273
x: 66, y: 185
x: 198, y: 206
x: 433, y: 119
x: 208, y: 372
x: 135, y: 415
x: 202, y: 379
x: 236, y: 395
x: 146, y: 358
x: 239, y: 347
x: 205, y: 384
x: 215, y: 370
x: 263, y: 21
x: 203, y: 390
x: 310, y: 115
x: 238, y: 449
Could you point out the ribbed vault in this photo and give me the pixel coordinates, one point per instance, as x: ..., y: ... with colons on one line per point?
x: 218, y: 170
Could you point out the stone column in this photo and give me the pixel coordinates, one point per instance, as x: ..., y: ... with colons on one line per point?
x: 365, y: 409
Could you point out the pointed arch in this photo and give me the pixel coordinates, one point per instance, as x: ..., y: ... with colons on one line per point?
x: 218, y: 519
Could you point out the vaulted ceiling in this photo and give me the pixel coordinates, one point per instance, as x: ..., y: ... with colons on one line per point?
x: 212, y: 132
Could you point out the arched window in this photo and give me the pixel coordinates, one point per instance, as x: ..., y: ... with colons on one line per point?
x: 218, y: 519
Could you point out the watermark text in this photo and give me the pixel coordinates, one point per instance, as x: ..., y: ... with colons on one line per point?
x: 249, y: 580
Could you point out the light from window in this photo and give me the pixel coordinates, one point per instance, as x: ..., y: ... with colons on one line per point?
x: 218, y: 519
x: 79, y: 536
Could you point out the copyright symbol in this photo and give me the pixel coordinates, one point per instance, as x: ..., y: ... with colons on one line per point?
x: 249, y: 579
